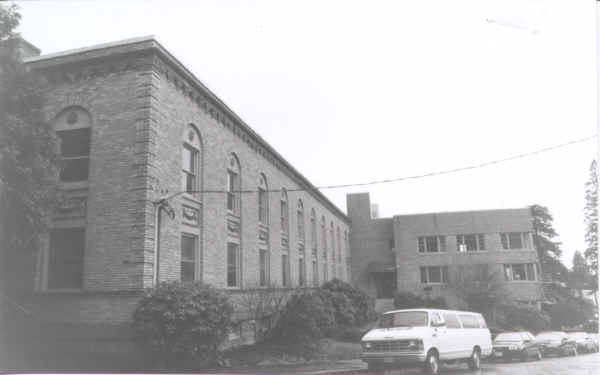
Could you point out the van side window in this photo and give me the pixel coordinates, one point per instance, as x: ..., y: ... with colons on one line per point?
x: 482, y: 322
x: 435, y: 318
x: 469, y: 321
x: 451, y: 320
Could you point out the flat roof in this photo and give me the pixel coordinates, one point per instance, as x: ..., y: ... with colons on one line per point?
x: 149, y: 42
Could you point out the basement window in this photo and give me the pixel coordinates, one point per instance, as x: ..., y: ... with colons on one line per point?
x: 65, y: 263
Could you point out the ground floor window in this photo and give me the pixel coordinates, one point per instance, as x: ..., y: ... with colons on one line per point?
x: 325, y: 273
x: 189, y: 245
x: 65, y: 263
x: 520, y: 272
x: 263, y: 267
x: 434, y: 274
x: 232, y: 264
x: 285, y: 270
x: 301, y: 271
x: 315, y: 273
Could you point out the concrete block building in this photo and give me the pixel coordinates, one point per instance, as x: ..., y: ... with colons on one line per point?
x: 424, y: 253
x: 162, y: 181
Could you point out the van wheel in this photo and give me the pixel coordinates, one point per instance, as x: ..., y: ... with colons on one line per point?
x: 475, y: 361
x: 432, y: 363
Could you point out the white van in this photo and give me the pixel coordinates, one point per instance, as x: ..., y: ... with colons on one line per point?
x: 426, y: 337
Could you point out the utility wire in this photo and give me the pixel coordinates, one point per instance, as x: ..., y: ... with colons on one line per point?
x: 414, y: 177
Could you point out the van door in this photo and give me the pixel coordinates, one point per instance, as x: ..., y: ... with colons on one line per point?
x: 453, y: 334
x: 439, y: 337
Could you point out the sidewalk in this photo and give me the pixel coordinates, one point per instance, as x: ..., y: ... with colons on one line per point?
x: 321, y: 367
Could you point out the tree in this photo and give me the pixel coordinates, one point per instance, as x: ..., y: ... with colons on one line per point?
x: 591, y: 219
x: 549, y: 251
x: 579, y: 277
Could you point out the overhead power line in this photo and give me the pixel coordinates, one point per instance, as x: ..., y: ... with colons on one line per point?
x: 414, y: 177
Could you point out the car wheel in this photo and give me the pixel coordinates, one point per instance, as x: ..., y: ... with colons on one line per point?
x: 475, y: 360
x: 432, y: 363
x: 538, y: 355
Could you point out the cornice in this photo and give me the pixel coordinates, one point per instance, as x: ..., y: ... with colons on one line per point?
x: 103, y: 59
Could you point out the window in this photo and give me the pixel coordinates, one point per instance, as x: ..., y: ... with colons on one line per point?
x: 300, y: 219
x: 233, y: 185
x: 263, y: 201
x: 65, y: 263
x: 188, y: 257
x: 263, y: 262
x: 470, y: 242
x: 469, y: 321
x: 435, y: 319
x: 339, y: 245
x: 480, y: 272
x: 451, y: 320
x: 434, y: 274
x: 191, y: 160
x: 515, y: 240
x: 284, y: 213
x: 325, y: 272
x: 315, y: 273
x: 313, y: 231
x: 332, y: 236
x: 232, y: 264
x: 285, y: 274
x: 520, y: 272
x: 301, y: 271
x: 432, y: 244
x: 73, y: 129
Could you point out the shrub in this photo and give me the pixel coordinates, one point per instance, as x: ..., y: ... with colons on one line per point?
x: 179, y: 321
x: 344, y: 311
x: 407, y: 300
x: 513, y: 317
x: 351, y: 334
x: 563, y: 314
x: 307, y: 317
x: 362, y: 304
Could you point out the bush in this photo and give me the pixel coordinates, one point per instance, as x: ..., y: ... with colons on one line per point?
x: 344, y: 311
x: 180, y: 321
x: 363, y: 305
x: 351, y: 334
x: 307, y: 317
x: 516, y: 317
x: 407, y: 300
x: 563, y: 314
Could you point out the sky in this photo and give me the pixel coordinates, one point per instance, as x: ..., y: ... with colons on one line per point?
x: 356, y: 91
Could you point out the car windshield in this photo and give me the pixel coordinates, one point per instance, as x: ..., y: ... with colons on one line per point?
x: 549, y: 336
x: 511, y: 336
x: 403, y: 319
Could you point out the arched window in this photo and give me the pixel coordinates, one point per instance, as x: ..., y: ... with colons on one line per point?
x: 233, y: 185
x: 263, y: 200
x: 191, y: 160
x: 73, y: 128
x: 284, y: 213
x: 313, y: 231
x: 300, y: 217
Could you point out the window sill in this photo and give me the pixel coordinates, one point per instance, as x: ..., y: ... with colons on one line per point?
x: 522, y: 281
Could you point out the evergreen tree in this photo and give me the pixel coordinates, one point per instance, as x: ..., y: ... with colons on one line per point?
x: 549, y: 251
x: 579, y: 277
x: 591, y: 218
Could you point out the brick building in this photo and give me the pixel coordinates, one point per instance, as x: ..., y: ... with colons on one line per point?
x: 424, y: 253
x: 140, y: 134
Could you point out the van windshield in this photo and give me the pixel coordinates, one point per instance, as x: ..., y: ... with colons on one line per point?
x: 404, y: 319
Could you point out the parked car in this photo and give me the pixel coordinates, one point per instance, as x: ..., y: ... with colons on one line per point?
x: 585, y: 343
x: 520, y: 344
x: 556, y: 342
x: 426, y: 337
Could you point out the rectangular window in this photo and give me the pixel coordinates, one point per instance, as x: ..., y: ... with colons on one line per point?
x: 434, y: 274
x: 470, y: 242
x: 300, y: 219
x: 325, y: 272
x: 481, y: 272
x: 515, y: 240
x: 432, y: 244
x: 284, y: 217
x: 188, y: 257
x: 315, y: 273
x: 263, y: 267
x: 65, y: 263
x: 232, y: 264
x: 469, y: 321
x: 520, y: 272
x: 284, y: 270
x: 75, y: 153
x: 301, y: 271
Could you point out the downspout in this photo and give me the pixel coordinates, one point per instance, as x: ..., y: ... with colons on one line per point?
x: 156, y: 251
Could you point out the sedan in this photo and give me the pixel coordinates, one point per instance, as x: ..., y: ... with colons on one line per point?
x: 521, y: 345
x: 556, y: 342
x: 585, y: 343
